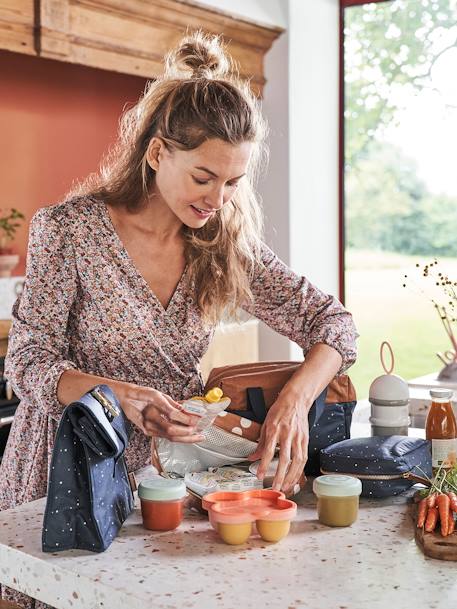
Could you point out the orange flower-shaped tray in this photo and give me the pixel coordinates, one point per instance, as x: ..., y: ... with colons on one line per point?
x: 233, y: 513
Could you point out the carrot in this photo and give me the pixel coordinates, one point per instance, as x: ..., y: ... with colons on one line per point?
x: 422, y: 512
x: 432, y: 519
x: 453, y: 498
x: 431, y: 500
x: 451, y: 523
x: 443, y: 503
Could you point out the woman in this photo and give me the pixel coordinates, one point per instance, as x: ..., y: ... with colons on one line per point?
x: 127, y: 279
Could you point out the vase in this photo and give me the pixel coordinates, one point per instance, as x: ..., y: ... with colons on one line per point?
x: 7, y: 263
x: 449, y: 372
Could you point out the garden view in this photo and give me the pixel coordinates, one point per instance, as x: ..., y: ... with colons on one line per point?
x: 400, y: 185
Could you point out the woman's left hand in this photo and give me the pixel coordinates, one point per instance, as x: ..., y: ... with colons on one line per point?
x: 286, y: 425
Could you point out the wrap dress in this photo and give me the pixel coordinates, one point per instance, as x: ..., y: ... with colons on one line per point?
x: 86, y: 306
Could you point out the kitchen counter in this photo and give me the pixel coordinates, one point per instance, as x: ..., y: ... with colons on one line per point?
x: 374, y: 563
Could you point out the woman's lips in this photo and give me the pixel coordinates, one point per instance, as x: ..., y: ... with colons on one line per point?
x: 201, y: 213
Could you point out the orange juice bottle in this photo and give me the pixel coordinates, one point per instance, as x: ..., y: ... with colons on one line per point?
x: 441, y: 430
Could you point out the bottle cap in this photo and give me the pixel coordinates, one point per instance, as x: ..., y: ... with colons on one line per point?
x: 443, y: 394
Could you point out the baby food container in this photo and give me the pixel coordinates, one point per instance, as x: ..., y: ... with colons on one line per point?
x: 389, y: 398
x: 232, y: 514
x: 162, y: 502
x: 337, y: 499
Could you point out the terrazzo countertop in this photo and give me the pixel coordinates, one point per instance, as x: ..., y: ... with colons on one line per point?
x: 374, y: 563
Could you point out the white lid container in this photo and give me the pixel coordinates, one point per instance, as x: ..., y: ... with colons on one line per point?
x: 162, y: 489
x: 389, y: 398
x: 337, y: 485
x: 389, y: 390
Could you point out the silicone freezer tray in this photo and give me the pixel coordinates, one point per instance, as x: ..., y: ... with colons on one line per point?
x: 232, y: 514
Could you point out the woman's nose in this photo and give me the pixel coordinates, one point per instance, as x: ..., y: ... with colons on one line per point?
x: 216, y: 198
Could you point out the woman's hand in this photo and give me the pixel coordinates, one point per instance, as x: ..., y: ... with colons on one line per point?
x: 155, y: 413
x: 286, y: 424
x: 158, y: 415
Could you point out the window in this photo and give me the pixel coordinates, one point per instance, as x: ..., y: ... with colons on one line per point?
x: 399, y: 195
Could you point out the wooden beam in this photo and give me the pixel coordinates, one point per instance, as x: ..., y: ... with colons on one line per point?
x: 132, y: 36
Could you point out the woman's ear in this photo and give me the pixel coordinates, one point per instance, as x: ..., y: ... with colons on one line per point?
x: 154, y: 152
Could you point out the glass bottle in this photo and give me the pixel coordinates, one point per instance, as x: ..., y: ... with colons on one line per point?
x: 441, y: 430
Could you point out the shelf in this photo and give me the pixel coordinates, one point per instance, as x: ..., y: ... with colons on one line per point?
x: 430, y: 381
x: 128, y: 36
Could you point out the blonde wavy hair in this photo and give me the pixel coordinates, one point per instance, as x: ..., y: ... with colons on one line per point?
x: 199, y: 97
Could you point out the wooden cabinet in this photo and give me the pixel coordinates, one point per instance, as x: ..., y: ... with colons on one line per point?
x: 128, y: 36
x: 17, y: 19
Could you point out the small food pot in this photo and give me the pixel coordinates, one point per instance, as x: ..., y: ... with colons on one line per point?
x: 162, y: 501
x: 337, y: 499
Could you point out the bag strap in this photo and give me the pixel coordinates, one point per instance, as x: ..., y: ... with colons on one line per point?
x: 317, y: 408
x: 217, y: 375
x: 257, y: 409
x: 256, y: 403
x: 256, y: 406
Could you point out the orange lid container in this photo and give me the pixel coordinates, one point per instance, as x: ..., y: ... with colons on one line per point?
x: 233, y: 513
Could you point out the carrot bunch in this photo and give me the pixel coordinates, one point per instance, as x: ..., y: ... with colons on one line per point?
x: 439, y: 503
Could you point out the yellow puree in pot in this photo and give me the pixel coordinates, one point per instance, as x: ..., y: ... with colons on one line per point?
x: 269, y: 530
x: 337, y: 511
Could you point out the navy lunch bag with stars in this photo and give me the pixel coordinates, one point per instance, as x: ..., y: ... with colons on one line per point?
x: 382, y: 463
x: 89, y: 494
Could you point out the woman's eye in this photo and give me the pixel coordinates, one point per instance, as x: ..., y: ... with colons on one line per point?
x: 197, y: 181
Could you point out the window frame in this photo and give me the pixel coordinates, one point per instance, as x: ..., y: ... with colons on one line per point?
x: 347, y: 3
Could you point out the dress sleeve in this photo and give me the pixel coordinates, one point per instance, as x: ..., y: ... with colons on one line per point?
x: 292, y: 306
x: 37, y: 346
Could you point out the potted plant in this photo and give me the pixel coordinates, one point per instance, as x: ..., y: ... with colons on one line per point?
x: 10, y: 220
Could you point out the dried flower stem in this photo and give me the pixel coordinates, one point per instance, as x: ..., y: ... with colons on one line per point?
x: 448, y: 327
x: 449, y: 289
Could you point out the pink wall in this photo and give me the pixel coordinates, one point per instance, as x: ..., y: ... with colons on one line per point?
x: 56, y: 121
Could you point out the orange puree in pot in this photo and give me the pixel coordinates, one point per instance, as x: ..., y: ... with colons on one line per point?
x: 162, y: 515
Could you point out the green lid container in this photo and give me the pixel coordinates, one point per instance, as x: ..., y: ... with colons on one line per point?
x: 162, y: 489
x: 337, y: 485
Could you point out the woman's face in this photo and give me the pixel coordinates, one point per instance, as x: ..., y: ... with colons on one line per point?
x: 196, y: 184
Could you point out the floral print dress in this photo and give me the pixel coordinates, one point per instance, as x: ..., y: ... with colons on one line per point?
x: 86, y: 306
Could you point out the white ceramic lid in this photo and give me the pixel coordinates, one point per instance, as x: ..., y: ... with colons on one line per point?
x: 337, y: 485
x: 389, y: 388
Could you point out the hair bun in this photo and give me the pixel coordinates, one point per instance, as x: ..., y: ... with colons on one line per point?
x: 198, y: 56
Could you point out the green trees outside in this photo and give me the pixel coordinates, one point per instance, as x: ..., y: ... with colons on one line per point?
x: 391, y: 209
x: 392, y: 47
x: 389, y: 46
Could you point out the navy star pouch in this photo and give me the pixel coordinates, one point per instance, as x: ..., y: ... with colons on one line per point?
x: 382, y: 464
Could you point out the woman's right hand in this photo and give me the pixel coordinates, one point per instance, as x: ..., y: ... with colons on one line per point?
x: 158, y: 415
x: 154, y: 412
